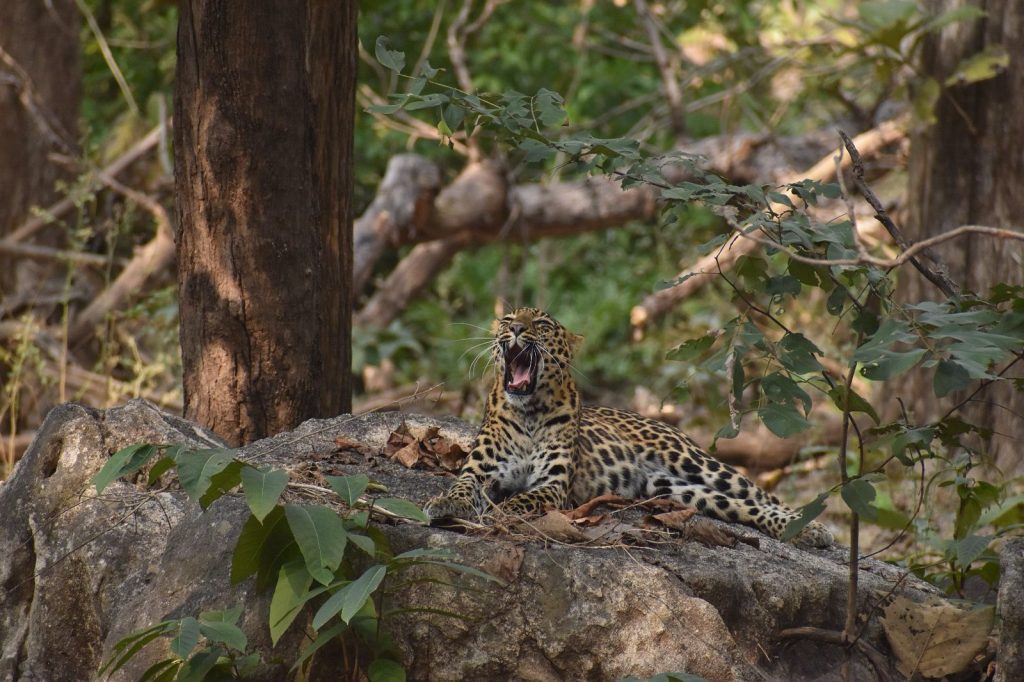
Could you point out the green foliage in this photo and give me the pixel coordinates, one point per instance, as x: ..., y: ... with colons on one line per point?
x: 303, y: 550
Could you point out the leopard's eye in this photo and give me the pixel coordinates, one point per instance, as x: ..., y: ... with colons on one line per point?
x: 544, y: 325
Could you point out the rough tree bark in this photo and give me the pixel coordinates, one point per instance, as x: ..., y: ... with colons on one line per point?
x: 968, y: 168
x: 39, y: 95
x: 264, y: 113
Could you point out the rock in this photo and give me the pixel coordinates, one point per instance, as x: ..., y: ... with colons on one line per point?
x: 1010, y: 662
x: 78, y: 572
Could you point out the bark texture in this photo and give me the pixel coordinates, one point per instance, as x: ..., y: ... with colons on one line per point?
x: 79, y: 571
x: 263, y: 141
x: 40, y: 90
x: 967, y: 169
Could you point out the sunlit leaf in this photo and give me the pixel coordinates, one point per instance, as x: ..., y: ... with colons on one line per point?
x: 263, y: 489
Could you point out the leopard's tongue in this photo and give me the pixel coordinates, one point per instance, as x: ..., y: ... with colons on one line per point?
x: 520, y: 376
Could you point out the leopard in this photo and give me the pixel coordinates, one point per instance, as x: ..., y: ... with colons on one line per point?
x: 539, y: 447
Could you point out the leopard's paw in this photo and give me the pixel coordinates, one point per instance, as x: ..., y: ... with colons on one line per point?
x: 445, y: 507
x: 814, y: 535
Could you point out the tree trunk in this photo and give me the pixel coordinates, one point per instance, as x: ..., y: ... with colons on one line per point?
x: 968, y: 169
x: 40, y: 90
x: 264, y: 113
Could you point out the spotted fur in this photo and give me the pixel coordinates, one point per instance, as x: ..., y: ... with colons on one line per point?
x: 539, y: 447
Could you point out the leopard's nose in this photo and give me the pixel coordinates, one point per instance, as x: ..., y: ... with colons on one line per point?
x: 517, y: 328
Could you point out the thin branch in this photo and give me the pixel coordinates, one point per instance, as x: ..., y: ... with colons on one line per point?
x: 58, y: 209
x: 108, y: 56
x: 458, y: 33
x: 936, y: 275
x: 704, y: 270
x: 157, y: 254
x: 669, y: 82
x: 46, y: 253
x: 45, y: 121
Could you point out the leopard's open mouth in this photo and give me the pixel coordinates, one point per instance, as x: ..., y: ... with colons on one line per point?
x: 521, y: 363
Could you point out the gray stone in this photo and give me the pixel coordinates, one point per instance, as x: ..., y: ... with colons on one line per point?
x: 79, y: 571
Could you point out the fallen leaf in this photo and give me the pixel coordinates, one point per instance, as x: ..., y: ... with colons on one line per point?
x: 408, y: 456
x: 553, y: 526
x: 674, y: 519
x: 936, y: 638
x: 587, y: 508
x: 342, y: 443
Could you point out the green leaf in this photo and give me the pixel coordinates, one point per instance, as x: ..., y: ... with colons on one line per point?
x: 390, y: 59
x: 350, y: 598
x: 536, y: 151
x: 349, y: 488
x: 262, y: 489
x: 321, y: 537
x: 131, y: 644
x: 186, y: 636
x: 890, y: 331
x: 222, y: 616
x: 260, y: 546
x: 890, y: 363
x: 692, y: 348
x: 197, y: 467
x: 796, y: 353
x: 840, y: 394
x: 222, y: 482
x: 385, y: 670
x: 549, y: 106
x: 167, y: 669
x: 162, y: 466
x: 123, y: 462
x: 196, y: 668
x: 290, y: 595
x: 403, y: 508
x: 322, y: 638
x: 779, y: 388
x: 951, y: 16
x: 949, y: 377
x: 808, y: 513
x: 858, y: 495
x: 226, y: 633
x: 987, y: 64
x: 364, y: 543
x: 783, y: 284
x: 427, y: 71
x: 783, y: 420
x: 970, y: 548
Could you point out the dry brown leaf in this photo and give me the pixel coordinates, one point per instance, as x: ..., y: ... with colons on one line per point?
x: 554, y: 526
x: 343, y: 443
x: 936, y: 638
x: 408, y: 456
x: 587, y: 508
x: 673, y: 519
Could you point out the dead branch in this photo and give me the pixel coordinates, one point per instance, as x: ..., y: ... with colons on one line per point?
x: 478, y: 208
x: 937, y: 273
x: 458, y: 33
x: 403, y: 203
x: 156, y: 255
x: 704, y: 270
x: 45, y: 120
x: 669, y: 82
x: 58, y: 209
x: 413, y: 273
x: 47, y: 253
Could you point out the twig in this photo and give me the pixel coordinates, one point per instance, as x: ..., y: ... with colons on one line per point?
x: 704, y: 270
x: 46, y: 122
x: 56, y: 210
x: 46, y: 253
x: 669, y: 82
x: 937, y: 275
x: 108, y: 56
x: 151, y: 258
x: 458, y: 32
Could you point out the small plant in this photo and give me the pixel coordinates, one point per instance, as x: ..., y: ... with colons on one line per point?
x: 308, y: 554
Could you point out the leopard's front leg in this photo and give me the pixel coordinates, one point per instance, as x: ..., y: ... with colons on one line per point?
x: 552, y: 469
x: 462, y: 501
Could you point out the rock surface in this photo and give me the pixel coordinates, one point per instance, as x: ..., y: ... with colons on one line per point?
x: 79, y: 571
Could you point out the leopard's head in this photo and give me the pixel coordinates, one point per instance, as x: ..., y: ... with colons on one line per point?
x: 532, y: 351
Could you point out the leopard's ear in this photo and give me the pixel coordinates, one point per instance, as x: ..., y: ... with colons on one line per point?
x: 575, y: 341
